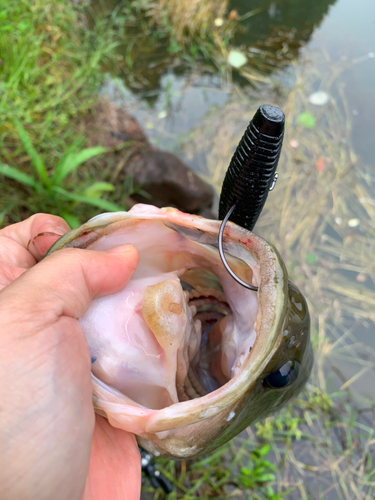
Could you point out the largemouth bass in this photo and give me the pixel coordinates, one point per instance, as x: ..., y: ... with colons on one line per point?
x: 183, y: 356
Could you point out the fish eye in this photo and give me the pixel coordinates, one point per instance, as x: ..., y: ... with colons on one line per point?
x: 284, y: 376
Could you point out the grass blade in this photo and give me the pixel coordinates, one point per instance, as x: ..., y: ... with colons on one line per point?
x: 36, y: 160
x: 104, y: 204
x: 18, y: 176
x: 72, y: 161
x: 97, y: 188
x: 70, y: 219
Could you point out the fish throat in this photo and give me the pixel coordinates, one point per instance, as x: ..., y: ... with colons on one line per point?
x: 192, y: 326
x: 209, y: 307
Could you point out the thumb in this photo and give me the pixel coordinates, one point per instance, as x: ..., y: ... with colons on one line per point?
x: 64, y: 283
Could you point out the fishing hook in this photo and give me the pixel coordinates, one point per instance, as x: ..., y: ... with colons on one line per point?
x: 222, y: 256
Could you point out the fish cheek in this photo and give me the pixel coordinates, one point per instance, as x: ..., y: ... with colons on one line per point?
x: 296, y: 332
x: 255, y: 405
x: 259, y: 402
x: 295, y: 338
x: 288, y: 370
x: 291, y: 365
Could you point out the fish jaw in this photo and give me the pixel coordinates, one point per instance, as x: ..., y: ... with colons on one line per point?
x: 177, y: 428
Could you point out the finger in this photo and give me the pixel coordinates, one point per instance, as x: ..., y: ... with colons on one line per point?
x: 8, y: 274
x: 14, y: 254
x: 115, y: 465
x: 25, y: 232
x: 64, y: 283
x: 42, y: 242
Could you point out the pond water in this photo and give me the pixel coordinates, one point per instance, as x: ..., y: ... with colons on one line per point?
x: 326, y: 45
x: 345, y: 30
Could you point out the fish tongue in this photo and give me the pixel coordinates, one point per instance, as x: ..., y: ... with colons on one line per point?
x: 167, y: 314
x: 126, y: 354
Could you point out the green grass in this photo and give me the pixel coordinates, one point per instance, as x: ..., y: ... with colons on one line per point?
x: 51, y: 68
x: 46, y: 183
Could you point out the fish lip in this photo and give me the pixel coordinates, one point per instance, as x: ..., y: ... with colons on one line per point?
x: 271, y: 298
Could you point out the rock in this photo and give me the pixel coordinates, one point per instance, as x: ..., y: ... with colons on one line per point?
x: 160, y: 174
x: 111, y: 125
x: 168, y: 181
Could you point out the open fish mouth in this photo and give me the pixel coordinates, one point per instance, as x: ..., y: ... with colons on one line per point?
x: 209, y: 367
x: 183, y: 356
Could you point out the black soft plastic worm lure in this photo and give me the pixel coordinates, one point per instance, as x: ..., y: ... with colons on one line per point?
x: 251, y: 173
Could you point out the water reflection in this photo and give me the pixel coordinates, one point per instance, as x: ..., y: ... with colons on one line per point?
x: 272, y: 38
x: 295, y: 19
x: 279, y: 29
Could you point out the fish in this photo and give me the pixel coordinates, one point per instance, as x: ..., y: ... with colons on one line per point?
x: 183, y: 356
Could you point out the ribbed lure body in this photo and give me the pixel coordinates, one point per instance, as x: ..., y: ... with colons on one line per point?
x: 252, y: 169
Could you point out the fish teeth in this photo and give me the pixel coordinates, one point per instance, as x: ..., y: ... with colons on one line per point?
x: 182, y: 396
x: 195, y: 340
x: 193, y: 293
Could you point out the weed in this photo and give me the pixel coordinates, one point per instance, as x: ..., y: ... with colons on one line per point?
x: 259, y: 475
x: 46, y: 183
x: 190, y: 19
x: 178, y: 35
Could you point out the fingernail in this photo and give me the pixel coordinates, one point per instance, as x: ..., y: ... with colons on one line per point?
x: 43, y: 241
x: 54, y: 229
x: 121, y: 249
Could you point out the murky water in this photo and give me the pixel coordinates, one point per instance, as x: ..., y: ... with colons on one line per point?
x: 194, y: 116
x: 348, y: 33
x: 343, y: 28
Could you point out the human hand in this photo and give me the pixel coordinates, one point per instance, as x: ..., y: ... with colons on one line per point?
x: 22, y: 245
x: 46, y: 413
